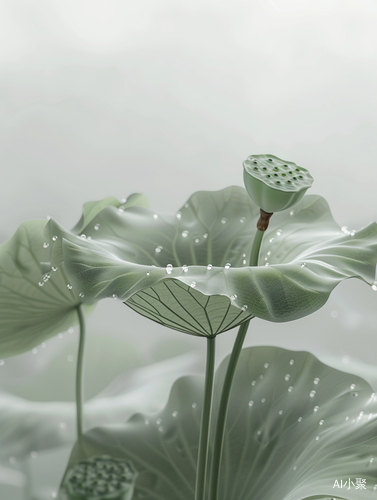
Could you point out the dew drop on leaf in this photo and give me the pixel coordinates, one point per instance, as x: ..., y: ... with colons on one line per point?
x: 244, y: 307
x: 185, y: 268
x: 321, y: 422
x: 115, y: 296
x: 175, y: 413
x: 54, y: 268
x: 158, y: 249
x: 197, y: 240
x: 291, y: 361
x: 316, y: 408
x: 316, y: 380
x: 352, y: 387
x: 193, y: 405
x: 312, y: 394
x: 299, y: 419
x: 185, y: 233
x: 209, y: 267
x: 251, y: 403
x: 96, y: 227
x: 169, y: 268
x: 54, y: 238
x: 69, y: 286
x: 2, y: 362
x: 263, y: 400
x: 46, y: 245
x: 224, y: 220
x: 290, y: 388
x: 193, y: 284
x: 155, y: 216
x: 266, y: 365
x: 287, y: 377
x: 227, y: 265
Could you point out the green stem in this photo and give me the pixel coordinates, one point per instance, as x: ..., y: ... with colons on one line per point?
x: 201, y: 468
x: 228, y: 381
x: 79, y: 375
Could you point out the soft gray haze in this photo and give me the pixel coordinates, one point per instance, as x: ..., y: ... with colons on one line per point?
x: 110, y: 97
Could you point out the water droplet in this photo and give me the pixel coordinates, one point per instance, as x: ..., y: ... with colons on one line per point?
x: 54, y: 494
x: 34, y: 454
x: 60, y: 336
x: 121, y: 209
x: 209, y: 267
x: 361, y: 414
x: 271, y: 240
x: 303, y: 264
x: 70, y: 330
x: 375, y: 487
x: 244, y: 262
x: 374, y: 286
x: 267, y: 264
x: 2, y: 362
x: 371, y: 460
x: 115, y: 296
x: 158, y: 249
x: 287, y: 377
x: 41, y: 283
x: 185, y: 233
x: 233, y: 297
x: 224, y: 220
x: 69, y: 286
x: 268, y: 253
x: 321, y: 422
x: 266, y: 365
x: 158, y: 421
x: 54, y: 268
x: 193, y: 284
x: 197, y: 240
x: 81, y: 295
x: 185, y: 268
x: 278, y: 232
x: 186, y: 205
x: 34, y: 351
x: 244, y: 307
x: 280, y: 412
x: 344, y: 229
x: 251, y: 403
x: 263, y: 400
x: 70, y: 358
x: 205, y: 235
x: 161, y: 428
x: 169, y: 268
x: 316, y: 408
x: 353, y: 232
x: 290, y: 388
x: 54, y: 238
x: 96, y: 227
x: 291, y: 361
x: 295, y: 467
x: 46, y: 245
x: 175, y: 413
x: 299, y: 419
x: 147, y: 273
x: 227, y: 265
x: 266, y: 258
x: 179, y: 215
x: 316, y: 438
x: 291, y: 212
x: 155, y: 216
x: 352, y: 387
x: 242, y: 220
x: 253, y: 383
x: 355, y: 394
x: 316, y: 380
x: 83, y: 236
x: 193, y: 405
x: 124, y: 199
x: 312, y: 394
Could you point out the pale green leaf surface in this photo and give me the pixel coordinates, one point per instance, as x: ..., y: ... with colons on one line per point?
x: 29, y: 313
x: 92, y: 208
x: 294, y: 427
x: 306, y: 252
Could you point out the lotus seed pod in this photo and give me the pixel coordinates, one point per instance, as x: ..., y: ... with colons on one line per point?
x: 101, y: 478
x: 274, y: 184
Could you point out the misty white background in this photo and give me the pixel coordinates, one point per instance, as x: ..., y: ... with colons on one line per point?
x: 108, y: 97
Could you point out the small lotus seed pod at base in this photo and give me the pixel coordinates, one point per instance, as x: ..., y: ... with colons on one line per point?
x: 274, y: 184
x: 101, y: 478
